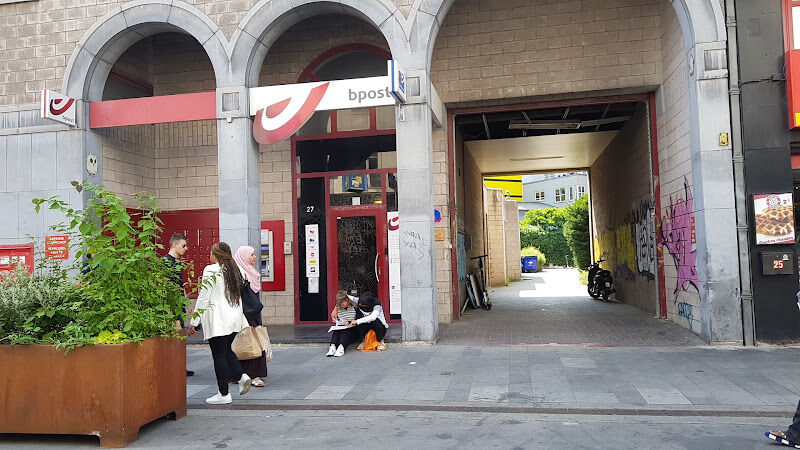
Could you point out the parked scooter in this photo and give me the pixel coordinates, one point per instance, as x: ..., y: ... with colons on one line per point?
x: 600, y: 281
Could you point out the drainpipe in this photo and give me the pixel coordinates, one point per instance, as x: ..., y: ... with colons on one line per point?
x: 742, y: 228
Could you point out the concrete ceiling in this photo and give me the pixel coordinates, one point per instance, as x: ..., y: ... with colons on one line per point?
x: 539, y: 153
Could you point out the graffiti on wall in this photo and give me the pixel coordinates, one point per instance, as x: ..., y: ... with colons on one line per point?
x: 678, y: 238
x: 644, y: 227
x: 630, y: 248
x: 685, y: 311
x: 616, y: 246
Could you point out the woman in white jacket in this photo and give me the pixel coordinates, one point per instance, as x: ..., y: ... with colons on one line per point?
x: 221, y: 315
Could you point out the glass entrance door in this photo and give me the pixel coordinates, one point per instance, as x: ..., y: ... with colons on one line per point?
x: 358, y: 251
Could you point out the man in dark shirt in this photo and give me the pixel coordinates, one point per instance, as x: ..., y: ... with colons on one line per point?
x: 177, y: 248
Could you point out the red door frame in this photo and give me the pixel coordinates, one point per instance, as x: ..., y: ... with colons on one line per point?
x: 379, y: 213
x: 451, y: 139
x: 329, y: 212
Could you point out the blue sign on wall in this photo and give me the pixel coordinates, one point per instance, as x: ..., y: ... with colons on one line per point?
x: 354, y: 182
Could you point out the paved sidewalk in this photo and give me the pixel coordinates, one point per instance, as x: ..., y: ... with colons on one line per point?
x: 695, y: 378
x: 551, y: 307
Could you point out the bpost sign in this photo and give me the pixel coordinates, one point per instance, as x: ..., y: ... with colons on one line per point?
x: 281, y: 110
x: 57, y: 107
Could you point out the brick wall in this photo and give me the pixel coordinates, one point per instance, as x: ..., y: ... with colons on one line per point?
x: 186, y: 165
x: 618, y: 208
x: 276, y: 204
x: 675, y: 165
x: 495, y: 245
x: 541, y: 47
x: 444, y: 259
x: 512, y: 242
x: 128, y: 161
x: 470, y: 192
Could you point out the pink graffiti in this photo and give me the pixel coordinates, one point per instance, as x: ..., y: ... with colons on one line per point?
x: 676, y: 232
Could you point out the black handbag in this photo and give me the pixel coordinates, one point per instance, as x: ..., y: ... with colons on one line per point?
x: 251, y: 301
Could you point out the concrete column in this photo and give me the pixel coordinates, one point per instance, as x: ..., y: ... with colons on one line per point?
x: 239, y: 194
x: 415, y: 202
x: 714, y: 205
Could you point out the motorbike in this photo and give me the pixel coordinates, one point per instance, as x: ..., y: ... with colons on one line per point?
x: 600, y: 281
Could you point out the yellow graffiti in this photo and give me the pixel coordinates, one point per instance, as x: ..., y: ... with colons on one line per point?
x: 616, y: 246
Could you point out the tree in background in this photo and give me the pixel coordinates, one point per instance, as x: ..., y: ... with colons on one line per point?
x: 544, y: 229
x: 576, y: 231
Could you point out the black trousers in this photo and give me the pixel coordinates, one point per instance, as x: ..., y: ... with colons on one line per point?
x: 793, y: 433
x: 226, y: 365
x: 375, y: 325
x: 344, y: 337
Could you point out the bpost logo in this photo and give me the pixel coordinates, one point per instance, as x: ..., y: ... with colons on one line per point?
x: 57, y: 107
x: 361, y: 96
x: 394, y: 223
x: 280, y: 120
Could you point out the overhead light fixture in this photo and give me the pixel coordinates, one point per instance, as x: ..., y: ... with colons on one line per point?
x: 535, y: 159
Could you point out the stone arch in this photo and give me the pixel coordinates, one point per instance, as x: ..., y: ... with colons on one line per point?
x: 701, y: 21
x: 269, y: 19
x: 98, y: 50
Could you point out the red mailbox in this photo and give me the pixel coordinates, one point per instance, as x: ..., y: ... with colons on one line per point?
x: 11, y: 255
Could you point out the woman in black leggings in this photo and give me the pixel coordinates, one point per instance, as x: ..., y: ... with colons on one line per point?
x: 220, y: 305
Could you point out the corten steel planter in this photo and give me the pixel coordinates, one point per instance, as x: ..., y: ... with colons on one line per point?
x: 105, y: 390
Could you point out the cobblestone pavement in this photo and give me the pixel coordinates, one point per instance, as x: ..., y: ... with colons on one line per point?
x: 550, y: 307
x: 576, y: 377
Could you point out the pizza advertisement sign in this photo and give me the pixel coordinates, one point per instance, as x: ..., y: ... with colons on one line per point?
x: 774, y: 218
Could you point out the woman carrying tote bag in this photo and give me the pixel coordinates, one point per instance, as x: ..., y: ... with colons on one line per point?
x: 222, y: 317
x: 246, y: 258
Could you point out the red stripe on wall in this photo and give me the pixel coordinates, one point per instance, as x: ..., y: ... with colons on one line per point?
x: 148, y: 110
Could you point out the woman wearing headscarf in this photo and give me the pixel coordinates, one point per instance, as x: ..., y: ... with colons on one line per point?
x: 246, y: 259
x: 220, y: 304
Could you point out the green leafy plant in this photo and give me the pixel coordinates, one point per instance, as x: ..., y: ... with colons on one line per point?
x: 551, y: 242
x: 124, y: 291
x: 576, y: 231
x: 22, y: 295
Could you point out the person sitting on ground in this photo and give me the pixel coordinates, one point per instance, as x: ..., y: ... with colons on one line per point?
x: 345, y: 314
x: 373, y: 319
x: 790, y: 437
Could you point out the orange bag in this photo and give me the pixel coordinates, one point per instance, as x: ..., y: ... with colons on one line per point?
x: 370, y: 342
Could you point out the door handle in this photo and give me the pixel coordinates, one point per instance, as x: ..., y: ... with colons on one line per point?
x: 378, y: 278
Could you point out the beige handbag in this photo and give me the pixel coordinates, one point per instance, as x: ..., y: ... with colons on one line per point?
x: 263, y: 338
x: 247, y: 344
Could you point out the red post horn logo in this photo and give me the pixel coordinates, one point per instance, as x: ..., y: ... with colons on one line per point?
x: 280, y: 120
x: 59, y: 106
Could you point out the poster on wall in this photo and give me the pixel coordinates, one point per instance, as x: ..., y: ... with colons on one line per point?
x: 312, y: 258
x: 393, y: 241
x: 774, y: 218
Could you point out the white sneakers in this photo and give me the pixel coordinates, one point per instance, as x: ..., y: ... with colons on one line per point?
x: 244, y: 384
x: 339, y: 351
x: 331, y: 350
x: 219, y: 399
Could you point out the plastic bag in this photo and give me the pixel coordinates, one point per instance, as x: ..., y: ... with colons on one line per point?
x: 370, y: 342
x: 263, y: 339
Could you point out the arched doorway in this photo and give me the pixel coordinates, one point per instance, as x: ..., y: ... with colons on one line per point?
x: 345, y: 190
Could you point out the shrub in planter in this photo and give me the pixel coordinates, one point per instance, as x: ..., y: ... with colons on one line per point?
x: 124, y: 295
